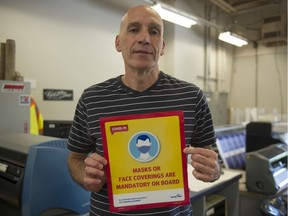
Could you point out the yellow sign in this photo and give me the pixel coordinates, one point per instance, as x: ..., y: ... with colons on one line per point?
x: 146, y: 164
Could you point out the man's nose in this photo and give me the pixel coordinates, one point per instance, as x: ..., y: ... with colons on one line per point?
x: 144, y: 37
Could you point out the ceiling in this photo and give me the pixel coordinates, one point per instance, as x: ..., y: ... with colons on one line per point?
x: 262, y: 21
x: 248, y: 18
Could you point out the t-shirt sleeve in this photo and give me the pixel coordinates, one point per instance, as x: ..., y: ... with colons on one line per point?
x: 204, y: 133
x: 79, y: 139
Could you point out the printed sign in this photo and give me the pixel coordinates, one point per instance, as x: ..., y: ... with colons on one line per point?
x: 57, y: 94
x: 13, y: 88
x: 24, y: 100
x: 146, y: 164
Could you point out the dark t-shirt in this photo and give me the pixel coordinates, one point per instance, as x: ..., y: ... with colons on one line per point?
x: 113, y: 98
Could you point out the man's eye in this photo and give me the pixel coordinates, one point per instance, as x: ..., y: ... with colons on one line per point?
x: 154, y: 32
x: 135, y: 30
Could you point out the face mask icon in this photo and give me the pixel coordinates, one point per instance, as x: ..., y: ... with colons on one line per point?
x: 144, y: 147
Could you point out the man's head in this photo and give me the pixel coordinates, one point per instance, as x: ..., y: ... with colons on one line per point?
x: 141, y: 38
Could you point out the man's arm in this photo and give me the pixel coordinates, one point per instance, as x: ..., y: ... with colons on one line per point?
x: 87, y: 171
x: 76, y: 167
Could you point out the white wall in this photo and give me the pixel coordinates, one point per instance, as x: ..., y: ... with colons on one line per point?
x: 260, y: 79
x: 69, y: 44
x: 65, y: 44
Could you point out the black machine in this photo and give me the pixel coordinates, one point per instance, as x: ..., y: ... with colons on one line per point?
x: 259, y: 135
x: 34, y: 177
x: 267, y: 169
x: 57, y: 128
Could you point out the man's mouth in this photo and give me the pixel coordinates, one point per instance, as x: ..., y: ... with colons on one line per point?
x: 142, y: 52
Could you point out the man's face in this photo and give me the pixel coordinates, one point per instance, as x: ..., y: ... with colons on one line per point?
x: 143, y: 145
x: 141, y: 38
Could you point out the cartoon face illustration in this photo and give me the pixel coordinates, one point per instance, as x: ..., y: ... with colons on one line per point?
x: 143, y: 146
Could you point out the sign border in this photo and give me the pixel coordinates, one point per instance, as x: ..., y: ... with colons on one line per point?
x: 180, y: 115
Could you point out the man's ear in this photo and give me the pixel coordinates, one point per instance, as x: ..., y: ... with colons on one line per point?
x: 163, y: 47
x: 117, y: 43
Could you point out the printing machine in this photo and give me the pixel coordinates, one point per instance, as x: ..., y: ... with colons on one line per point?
x: 266, y: 169
x: 34, y: 177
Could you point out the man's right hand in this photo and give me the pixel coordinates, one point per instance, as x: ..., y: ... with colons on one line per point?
x: 88, y: 171
x: 94, y: 174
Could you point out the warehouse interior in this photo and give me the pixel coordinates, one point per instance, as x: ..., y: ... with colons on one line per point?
x: 51, y: 51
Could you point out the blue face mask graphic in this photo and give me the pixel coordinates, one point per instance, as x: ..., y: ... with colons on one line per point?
x: 144, y: 149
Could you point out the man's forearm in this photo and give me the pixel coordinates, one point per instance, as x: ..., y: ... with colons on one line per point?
x: 76, y: 167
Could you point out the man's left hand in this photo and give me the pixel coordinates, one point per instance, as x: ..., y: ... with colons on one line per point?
x: 205, y: 163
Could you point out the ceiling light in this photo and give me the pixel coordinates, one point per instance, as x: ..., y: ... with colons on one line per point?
x: 174, y: 16
x: 232, y: 39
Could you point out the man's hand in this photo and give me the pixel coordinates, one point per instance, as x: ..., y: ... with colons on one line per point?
x: 94, y: 175
x: 205, y: 163
x: 88, y: 171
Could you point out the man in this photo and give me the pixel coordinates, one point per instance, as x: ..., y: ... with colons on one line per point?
x: 142, y: 89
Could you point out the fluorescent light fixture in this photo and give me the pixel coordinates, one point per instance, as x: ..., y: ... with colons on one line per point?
x: 174, y: 17
x: 232, y: 39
